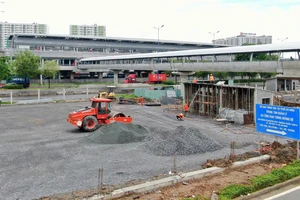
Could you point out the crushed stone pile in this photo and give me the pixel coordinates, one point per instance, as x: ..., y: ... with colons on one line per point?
x: 181, y: 141
x: 118, y: 133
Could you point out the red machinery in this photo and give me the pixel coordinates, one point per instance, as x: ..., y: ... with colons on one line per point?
x: 131, y: 78
x: 152, y: 78
x: 157, y: 78
x: 90, y: 118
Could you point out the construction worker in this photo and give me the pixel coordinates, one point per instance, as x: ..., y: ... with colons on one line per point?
x: 186, y: 108
x: 195, y: 80
x: 180, y: 117
x: 211, y: 78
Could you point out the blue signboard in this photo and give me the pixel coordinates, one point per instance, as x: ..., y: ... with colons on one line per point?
x: 280, y: 121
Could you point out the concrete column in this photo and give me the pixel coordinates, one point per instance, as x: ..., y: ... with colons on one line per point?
x: 70, y: 63
x: 183, y: 79
x: 215, y: 58
x: 100, y: 75
x: 284, y: 84
x: 59, y: 76
x: 116, y: 78
x: 57, y: 61
x: 72, y: 76
x: 251, y: 57
x: 298, y: 55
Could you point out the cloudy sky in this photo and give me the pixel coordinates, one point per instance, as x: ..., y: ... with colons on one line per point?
x: 186, y: 20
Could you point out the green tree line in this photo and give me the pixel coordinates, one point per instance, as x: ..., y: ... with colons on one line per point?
x: 26, y: 64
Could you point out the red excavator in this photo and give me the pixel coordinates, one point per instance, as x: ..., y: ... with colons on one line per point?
x: 100, y: 113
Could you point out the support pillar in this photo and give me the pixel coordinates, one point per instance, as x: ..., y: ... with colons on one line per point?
x: 71, y: 75
x: 116, y: 78
x: 100, y: 75
x: 251, y: 57
x: 183, y: 79
x: 59, y: 76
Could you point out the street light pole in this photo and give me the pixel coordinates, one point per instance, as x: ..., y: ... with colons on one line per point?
x: 213, y: 33
x: 282, y: 40
x: 159, y: 27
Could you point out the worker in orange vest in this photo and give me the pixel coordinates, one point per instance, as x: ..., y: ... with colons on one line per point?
x: 186, y: 108
x: 180, y: 117
x: 195, y: 80
x: 211, y: 78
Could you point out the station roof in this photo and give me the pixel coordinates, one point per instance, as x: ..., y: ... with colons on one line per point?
x: 263, y: 48
x: 115, y: 39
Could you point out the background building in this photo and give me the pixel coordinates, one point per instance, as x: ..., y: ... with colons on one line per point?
x: 88, y: 30
x: 249, y: 38
x: 7, y: 29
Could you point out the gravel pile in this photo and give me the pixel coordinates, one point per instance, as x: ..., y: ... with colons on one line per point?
x: 118, y: 133
x: 181, y: 141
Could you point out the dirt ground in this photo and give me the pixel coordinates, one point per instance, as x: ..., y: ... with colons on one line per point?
x: 280, y: 156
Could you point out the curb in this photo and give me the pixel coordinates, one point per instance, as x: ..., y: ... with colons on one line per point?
x: 149, y: 186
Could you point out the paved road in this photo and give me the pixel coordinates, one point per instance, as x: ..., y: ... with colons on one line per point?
x: 292, y: 194
x: 52, y: 97
x: 42, y: 154
x: 288, y: 192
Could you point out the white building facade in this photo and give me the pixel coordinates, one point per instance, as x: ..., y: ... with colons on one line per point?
x: 245, y: 38
x: 6, y: 29
x: 88, y: 30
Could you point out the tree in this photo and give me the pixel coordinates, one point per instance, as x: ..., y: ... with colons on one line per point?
x: 49, y: 69
x: 202, y: 74
x: 5, y: 68
x: 26, y: 64
x: 221, y: 75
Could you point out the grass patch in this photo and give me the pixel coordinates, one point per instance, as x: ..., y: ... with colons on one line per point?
x: 126, y: 96
x: 260, y: 182
x: 6, y: 102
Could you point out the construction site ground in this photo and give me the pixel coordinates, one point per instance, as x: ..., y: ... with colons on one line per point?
x: 44, y: 156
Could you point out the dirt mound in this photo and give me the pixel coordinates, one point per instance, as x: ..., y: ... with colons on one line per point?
x: 118, y: 133
x: 181, y: 141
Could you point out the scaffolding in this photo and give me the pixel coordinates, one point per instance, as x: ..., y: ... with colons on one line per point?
x: 208, y: 99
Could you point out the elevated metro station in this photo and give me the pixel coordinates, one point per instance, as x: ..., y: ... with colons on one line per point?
x: 67, y: 50
x: 186, y: 62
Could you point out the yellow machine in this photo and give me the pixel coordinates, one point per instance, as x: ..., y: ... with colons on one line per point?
x: 108, y: 94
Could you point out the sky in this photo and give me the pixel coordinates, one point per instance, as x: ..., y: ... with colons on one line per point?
x: 184, y: 20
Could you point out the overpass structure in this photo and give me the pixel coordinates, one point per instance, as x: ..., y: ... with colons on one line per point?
x: 185, y: 62
x: 67, y: 49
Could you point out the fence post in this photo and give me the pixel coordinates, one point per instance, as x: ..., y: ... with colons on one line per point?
x: 11, y: 100
x: 39, y: 94
x: 64, y: 94
x: 87, y: 92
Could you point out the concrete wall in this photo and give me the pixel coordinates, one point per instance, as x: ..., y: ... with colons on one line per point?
x: 291, y: 68
x: 263, y: 94
x: 271, y: 84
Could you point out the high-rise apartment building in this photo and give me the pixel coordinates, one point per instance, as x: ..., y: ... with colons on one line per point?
x: 245, y: 38
x: 88, y: 30
x: 6, y: 29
